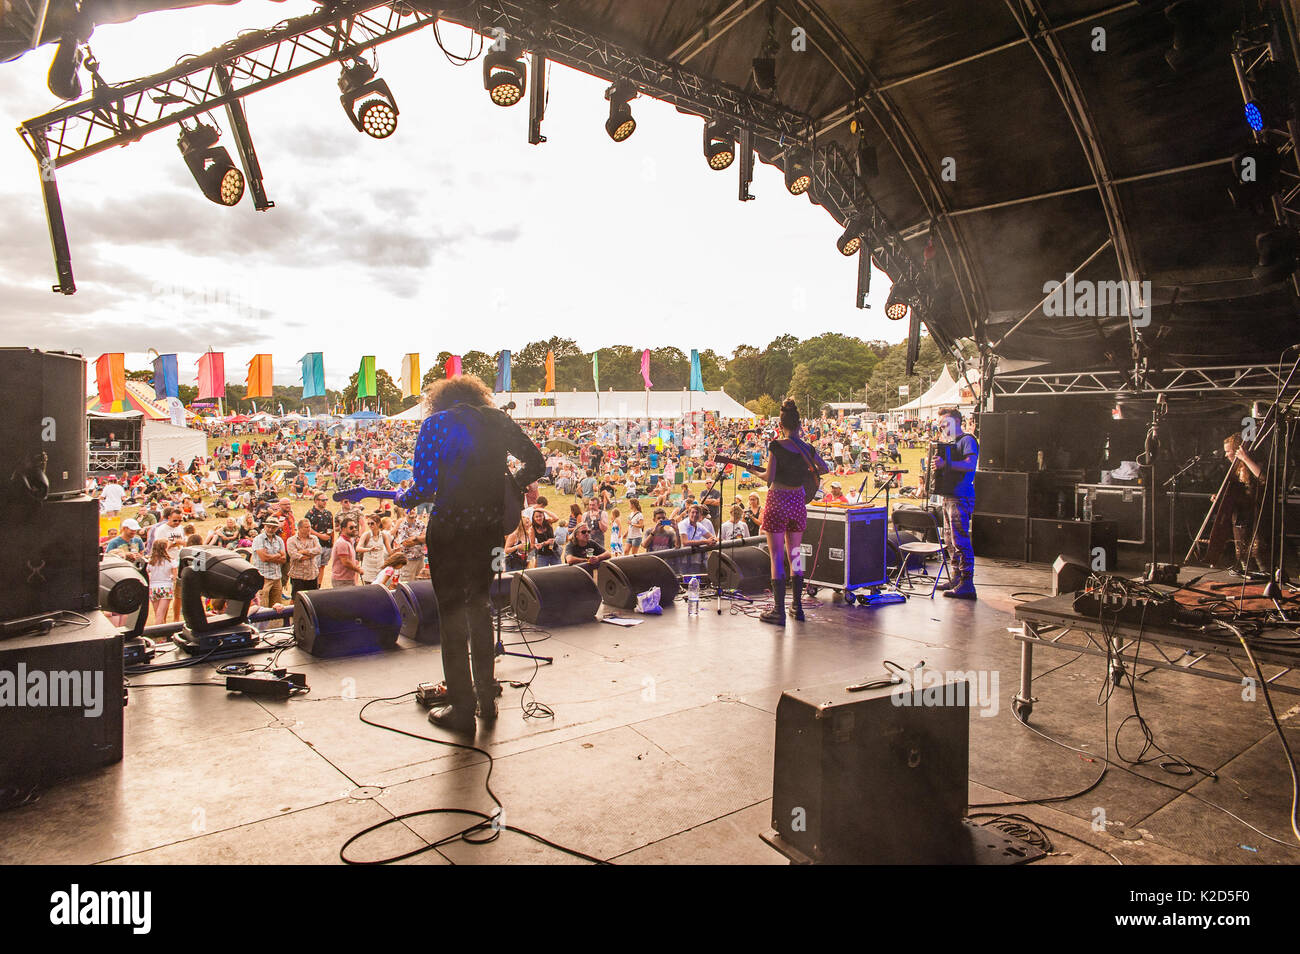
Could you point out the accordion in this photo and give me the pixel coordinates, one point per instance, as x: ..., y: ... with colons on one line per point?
x: 944, y: 480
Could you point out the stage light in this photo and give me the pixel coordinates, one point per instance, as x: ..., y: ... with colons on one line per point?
x: 1279, y: 255
x: 719, y: 145
x: 1192, y: 37
x: 765, y: 74
x: 798, y: 171
x: 211, y: 165
x: 376, y: 114
x: 122, y: 589
x: 900, y: 301
x: 64, y: 80
x: 620, y: 124
x: 503, y: 74
x: 851, y: 241
x: 1272, y: 95
x: 1254, y: 117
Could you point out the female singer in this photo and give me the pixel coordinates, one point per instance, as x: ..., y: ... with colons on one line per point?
x: 785, y: 514
x: 1245, y: 501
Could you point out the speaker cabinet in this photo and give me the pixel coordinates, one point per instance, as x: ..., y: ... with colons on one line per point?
x: 1003, y: 492
x: 1068, y: 576
x: 75, y: 724
x: 999, y: 537
x: 50, y: 560
x: 622, y: 579
x: 347, y: 621
x: 43, y: 394
x: 1009, y: 441
x: 555, y: 596
x: 863, y: 778
x: 418, y: 605
x: 743, y: 569
x: 1073, y: 539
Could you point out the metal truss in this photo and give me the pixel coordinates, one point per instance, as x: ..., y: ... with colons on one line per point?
x: 1220, y: 379
x: 118, y: 114
x: 1252, y: 53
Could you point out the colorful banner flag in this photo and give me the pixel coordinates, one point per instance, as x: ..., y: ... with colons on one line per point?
x: 110, y: 376
x: 595, y: 369
x: 550, y: 371
x: 259, y: 376
x: 313, y: 374
x: 212, y: 375
x: 366, y: 377
x: 410, y: 375
x: 697, y: 381
x: 503, y: 373
x: 166, y: 380
x: 645, y: 369
x: 453, y: 366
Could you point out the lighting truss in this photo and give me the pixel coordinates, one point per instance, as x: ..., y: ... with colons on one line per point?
x: 1241, y: 379
x: 119, y: 114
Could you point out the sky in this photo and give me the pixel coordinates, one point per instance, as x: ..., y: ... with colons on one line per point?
x: 454, y: 234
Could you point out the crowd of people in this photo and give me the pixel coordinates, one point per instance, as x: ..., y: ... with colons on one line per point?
x: 609, y: 489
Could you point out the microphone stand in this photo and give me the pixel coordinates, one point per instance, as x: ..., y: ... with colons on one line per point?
x: 1172, y: 484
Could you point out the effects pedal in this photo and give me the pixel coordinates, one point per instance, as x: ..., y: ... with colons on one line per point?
x: 1165, y: 574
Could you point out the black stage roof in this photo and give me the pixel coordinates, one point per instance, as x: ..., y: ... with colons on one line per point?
x: 1057, y: 147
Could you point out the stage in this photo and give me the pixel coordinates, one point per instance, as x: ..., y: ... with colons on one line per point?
x: 660, y: 751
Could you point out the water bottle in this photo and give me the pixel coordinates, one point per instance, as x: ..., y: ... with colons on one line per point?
x: 693, y: 597
x: 1087, y: 506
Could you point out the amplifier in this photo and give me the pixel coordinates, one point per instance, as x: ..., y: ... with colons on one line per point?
x: 844, y: 547
x: 1126, y: 505
x: 1002, y: 491
x: 61, y: 701
x: 50, y: 560
x: 44, y: 397
x: 999, y: 537
x: 1073, y: 539
x: 866, y: 778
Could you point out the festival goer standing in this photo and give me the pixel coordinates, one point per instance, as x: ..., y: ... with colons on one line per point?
x: 268, y: 559
x: 304, y: 556
x: 162, y: 580
x: 372, y: 549
x: 635, y: 526
x: 344, y: 568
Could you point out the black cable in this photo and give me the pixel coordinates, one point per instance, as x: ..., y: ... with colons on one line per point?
x: 487, y: 822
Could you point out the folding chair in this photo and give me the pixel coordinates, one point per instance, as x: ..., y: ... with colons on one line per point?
x: 923, y: 524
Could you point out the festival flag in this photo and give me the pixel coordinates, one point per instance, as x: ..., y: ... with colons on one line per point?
x: 595, y: 369
x: 550, y: 371
x: 212, y: 375
x: 645, y: 369
x: 503, y: 373
x: 697, y: 380
x: 259, y: 376
x: 366, y: 377
x: 110, y: 376
x: 453, y: 366
x: 313, y: 374
x: 410, y: 375
x: 166, y: 381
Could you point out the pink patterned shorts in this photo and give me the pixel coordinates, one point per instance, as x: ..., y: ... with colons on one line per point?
x: 784, y: 512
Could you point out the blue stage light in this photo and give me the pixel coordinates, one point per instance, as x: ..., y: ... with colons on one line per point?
x: 1254, y: 117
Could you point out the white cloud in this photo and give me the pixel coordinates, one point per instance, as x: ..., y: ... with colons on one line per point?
x: 454, y: 234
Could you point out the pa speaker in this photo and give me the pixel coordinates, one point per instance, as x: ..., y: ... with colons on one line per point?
x: 43, y: 429
x: 1068, y: 575
x: 621, y: 580
x: 419, y: 608
x: 744, y: 569
x: 878, y: 777
x: 555, y: 596
x: 50, y: 560
x: 346, y: 621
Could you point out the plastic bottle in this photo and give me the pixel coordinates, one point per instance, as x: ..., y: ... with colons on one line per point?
x: 693, y: 597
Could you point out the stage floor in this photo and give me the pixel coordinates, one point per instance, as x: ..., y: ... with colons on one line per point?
x: 660, y: 751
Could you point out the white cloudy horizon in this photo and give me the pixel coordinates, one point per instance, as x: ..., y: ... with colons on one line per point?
x: 453, y: 235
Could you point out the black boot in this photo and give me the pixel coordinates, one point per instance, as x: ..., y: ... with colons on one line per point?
x: 796, y: 604
x: 964, y: 590
x: 776, y: 615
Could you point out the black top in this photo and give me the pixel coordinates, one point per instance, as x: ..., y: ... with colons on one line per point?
x: 322, y: 521
x: 544, y: 537
x: 786, y: 466
x: 591, y: 549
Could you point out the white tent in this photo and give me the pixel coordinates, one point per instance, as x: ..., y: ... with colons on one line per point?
x: 162, y: 441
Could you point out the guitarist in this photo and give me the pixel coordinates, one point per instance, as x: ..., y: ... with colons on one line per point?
x: 791, y: 464
x: 460, y: 456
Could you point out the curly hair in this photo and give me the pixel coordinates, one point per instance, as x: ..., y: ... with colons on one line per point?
x: 461, y: 389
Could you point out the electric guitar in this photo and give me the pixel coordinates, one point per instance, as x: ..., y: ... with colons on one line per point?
x: 512, y: 505
x: 812, y: 481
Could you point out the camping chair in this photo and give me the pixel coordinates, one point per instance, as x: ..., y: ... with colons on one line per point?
x: 923, y: 525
